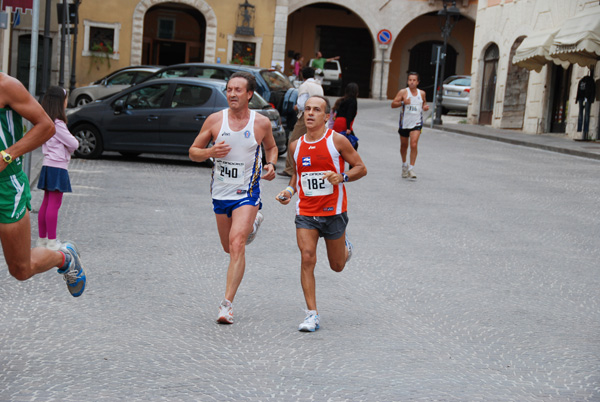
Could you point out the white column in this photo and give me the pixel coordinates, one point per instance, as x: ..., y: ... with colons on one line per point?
x: 280, y: 32
x: 379, y: 82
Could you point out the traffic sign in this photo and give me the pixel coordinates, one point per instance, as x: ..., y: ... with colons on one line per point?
x: 384, y: 37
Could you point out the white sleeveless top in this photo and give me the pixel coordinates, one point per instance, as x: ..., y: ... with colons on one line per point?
x: 412, y: 114
x: 237, y: 175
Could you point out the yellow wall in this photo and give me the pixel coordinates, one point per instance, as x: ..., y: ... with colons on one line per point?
x: 121, y: 11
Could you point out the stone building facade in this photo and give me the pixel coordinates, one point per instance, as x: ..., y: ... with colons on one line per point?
x: 505, y: 95
x: 168, y: 31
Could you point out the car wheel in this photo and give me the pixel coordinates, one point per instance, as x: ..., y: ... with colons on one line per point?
x: 82, y: 100
x: 90, y: 141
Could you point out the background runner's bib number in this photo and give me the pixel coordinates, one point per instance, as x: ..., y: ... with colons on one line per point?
x: 230, y: 172
x: 313, y: 184
x: 413, y: 109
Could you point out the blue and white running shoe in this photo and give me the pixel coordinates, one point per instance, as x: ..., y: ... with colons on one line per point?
x: 311, y: 322
x: 74, y: 274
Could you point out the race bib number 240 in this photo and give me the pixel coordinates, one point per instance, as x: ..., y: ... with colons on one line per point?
x: 230, y: 172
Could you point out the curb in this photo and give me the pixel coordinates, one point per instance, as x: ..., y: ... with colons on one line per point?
x: 522, y: 142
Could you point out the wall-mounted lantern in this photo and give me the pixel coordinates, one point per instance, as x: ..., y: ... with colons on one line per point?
x: 245, y: 19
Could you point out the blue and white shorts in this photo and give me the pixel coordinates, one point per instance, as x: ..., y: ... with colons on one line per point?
x: 227, y: 206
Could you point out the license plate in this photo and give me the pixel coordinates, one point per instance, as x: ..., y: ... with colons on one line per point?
x: 453, y: 93
x: 326, y: 82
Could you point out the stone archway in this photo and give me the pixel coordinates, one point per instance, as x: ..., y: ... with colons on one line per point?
x: 137, y: 33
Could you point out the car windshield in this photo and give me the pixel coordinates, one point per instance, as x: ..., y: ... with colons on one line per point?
x: 276, y: 81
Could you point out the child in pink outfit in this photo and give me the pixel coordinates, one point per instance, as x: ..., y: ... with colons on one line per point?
x: 54, y: 177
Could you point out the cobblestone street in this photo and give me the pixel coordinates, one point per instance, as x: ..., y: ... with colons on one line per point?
x: 479, y: 281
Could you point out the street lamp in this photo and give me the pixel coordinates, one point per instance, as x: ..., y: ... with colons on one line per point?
x: 449, y: 16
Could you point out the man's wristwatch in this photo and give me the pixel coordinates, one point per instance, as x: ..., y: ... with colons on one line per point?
x: 345, y: 176
x: 6, y: 157
x: 272, y: 164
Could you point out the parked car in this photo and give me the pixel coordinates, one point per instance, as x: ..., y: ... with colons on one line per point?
x: 272, y: 85
x: 111, y: 84
x: 455, y: 93
x: 330, y: 77
x: 160, y: 116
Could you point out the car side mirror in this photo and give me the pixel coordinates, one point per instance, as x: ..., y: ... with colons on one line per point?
x: 119, y: 106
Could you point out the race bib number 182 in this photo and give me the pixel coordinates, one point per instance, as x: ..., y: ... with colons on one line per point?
x: 313, y: 184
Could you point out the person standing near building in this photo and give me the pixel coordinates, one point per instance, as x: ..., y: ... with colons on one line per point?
x: 345, y: 112
x: 320, y: 158
x: 319, y: 61
x: 413, y: 103
x: 54, y: 177
x: 308, y: 88
x: 237, y: 133
x: 15, y: 197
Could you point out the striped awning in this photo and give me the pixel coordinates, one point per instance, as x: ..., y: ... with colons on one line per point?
x: 534, y: 52
x: 578, y: 39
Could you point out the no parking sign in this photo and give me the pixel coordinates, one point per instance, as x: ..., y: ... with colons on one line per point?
x: 384, y: 37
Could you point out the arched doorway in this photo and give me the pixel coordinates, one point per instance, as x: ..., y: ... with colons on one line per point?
x: 515, y: 97
x: 24, y: 58
x: 173, y: 33
x: 335, y: 31
x: 420, y: 61
x: 488, y: 84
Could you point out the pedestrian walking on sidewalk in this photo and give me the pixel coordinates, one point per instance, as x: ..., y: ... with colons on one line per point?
x: 54, y: 177
x: 308, y: 88
x: 413, y: 103
x: 320, y: 158
x: 345, y: 113
x: 237, y: 133
x: 15, y: 196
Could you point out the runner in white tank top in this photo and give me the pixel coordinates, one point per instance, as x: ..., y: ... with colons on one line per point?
x: 413, y: 104
x: 236, y: 175
x: 412, y: 113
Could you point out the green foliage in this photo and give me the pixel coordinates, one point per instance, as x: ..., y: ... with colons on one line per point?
x: 243, y: 60
x: 101, y: 52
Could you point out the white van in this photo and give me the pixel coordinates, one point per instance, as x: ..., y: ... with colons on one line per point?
x: 330, y: 77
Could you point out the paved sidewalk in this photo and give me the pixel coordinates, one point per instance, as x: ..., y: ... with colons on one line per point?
x: 548, y: 142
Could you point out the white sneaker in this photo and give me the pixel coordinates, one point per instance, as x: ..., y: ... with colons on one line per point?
x: 259, y: 219
x: 411, y: 174
x: 41, y: 242
x: 404, y: 172
x: 311, y: 322
x: 225, y: 313
x: 53, y: 244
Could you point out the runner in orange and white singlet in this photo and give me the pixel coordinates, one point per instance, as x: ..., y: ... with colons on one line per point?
x: 320, y: 158
x: 317, y: 196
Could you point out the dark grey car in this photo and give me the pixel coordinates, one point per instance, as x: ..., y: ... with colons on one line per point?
x: 271, y: 84
x: 160, y: 116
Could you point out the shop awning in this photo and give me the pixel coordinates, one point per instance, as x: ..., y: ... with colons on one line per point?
x: 578, y: 40
x: 533, y: 52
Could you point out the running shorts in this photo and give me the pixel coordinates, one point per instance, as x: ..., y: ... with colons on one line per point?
x: 405, y: 132
x: 15, y: 197
x: 227, y: 206
x: 330, y: 227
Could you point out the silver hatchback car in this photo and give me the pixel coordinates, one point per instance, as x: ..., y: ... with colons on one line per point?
x: 455, y: 93
x: 111, y: 84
